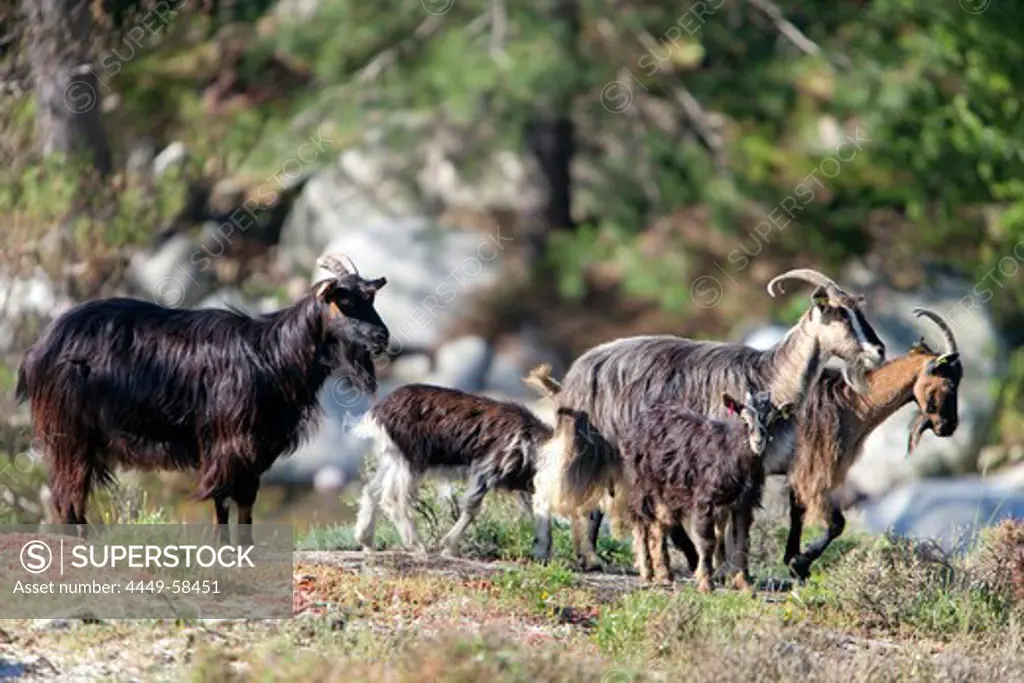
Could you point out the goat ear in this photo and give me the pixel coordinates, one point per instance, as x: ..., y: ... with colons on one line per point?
x: 820, y: 297
x: 373, y: 286
x: 731, y: 404
x: 325, y: 288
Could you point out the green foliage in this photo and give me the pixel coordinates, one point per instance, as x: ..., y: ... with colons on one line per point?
x: 894, y: 586
x: 537, y: 585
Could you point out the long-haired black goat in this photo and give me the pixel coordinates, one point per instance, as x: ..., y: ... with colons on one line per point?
x: 684, y: 463
x: 131, y: 383
x: 421, y: 430
x: 611, y: 385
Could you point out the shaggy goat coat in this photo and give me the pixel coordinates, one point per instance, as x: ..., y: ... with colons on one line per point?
x: 609, y: 386
x: 127, y: 382
x: 680, y: 462
x: 421, y: 429
x: 613, y: 385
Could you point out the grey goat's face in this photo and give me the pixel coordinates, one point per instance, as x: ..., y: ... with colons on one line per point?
x: 845, y: 333
x: 839, y: 326
x: 762, y: 417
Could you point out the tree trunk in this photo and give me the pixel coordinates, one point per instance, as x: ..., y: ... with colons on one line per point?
x: 68, y: 116
x: 550, y: 138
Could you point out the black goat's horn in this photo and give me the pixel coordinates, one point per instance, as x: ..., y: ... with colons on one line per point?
x: 334, y: 264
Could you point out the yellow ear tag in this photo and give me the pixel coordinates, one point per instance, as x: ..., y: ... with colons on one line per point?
x: 335, y: 311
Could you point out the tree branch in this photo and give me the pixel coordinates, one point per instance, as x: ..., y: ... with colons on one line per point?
x: 795, y: 35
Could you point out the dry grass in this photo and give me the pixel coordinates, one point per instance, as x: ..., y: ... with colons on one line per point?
x: 885, y: 609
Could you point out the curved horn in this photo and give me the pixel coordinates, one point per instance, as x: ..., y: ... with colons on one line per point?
x: 334, y: 264
x: 947, y: 333
x: 805, y: 274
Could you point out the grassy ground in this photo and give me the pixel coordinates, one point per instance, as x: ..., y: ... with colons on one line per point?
x: 876, y: 609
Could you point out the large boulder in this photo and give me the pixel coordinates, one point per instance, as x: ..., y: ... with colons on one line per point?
x: 948, y: 511
x: 433, y: 273
x: 23, y: 299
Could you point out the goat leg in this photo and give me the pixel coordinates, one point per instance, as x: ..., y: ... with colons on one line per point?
x: 704, y: 533
x: 244, y: 495
x: 796, y: 528
x: 800, y: 566
x: 581, y: 539
x: 723, y: 537
x: 369, y: 503
x: 742, y: 519
x: 594, y: 526
x: 641, y: 551
x: 681, y: 540
x: 541, y: 530
x: 479, y: 485
x: 220, y: 518
x: 659, y: 553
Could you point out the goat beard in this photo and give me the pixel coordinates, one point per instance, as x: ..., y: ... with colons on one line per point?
x: 356, y: 367
x: 855, y: 374
x: 921, y: 425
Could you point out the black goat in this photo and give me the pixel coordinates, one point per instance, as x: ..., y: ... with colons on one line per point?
x: 131, y: 383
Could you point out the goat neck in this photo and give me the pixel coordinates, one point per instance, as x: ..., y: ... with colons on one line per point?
x: 794, y: 363
x: 890, y: 387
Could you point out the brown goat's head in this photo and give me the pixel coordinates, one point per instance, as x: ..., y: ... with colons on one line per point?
x: 348, y: 302
x: 836, y: 321
x: 937, y: 385
x: 762, y: 416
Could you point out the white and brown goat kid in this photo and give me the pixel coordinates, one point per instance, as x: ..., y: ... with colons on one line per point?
x: 423, y: 430
x: 685, y: 464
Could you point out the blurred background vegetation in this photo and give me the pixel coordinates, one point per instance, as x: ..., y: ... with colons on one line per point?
x: 659, y: 136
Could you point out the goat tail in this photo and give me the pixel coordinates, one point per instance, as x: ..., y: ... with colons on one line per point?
x: 368, y: 427
x: 574, y: 474
x: 540, y: 379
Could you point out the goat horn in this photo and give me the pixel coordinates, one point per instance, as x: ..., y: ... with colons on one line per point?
x: 807, y: 275
x: 947, y: 333
x: 334, y: 264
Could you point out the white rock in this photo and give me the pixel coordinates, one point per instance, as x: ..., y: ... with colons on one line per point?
x: 949, y: 511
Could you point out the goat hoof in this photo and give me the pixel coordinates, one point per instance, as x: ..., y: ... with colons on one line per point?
x: 800, y: 568
x: 704, y: 585
x: 742, y: 584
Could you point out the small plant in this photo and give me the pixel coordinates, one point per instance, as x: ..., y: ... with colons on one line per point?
x: 537, y: 585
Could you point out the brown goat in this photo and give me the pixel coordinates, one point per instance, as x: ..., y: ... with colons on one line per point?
x: 836, y: 421
x: 422, y: 430
x: 681, y: 462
